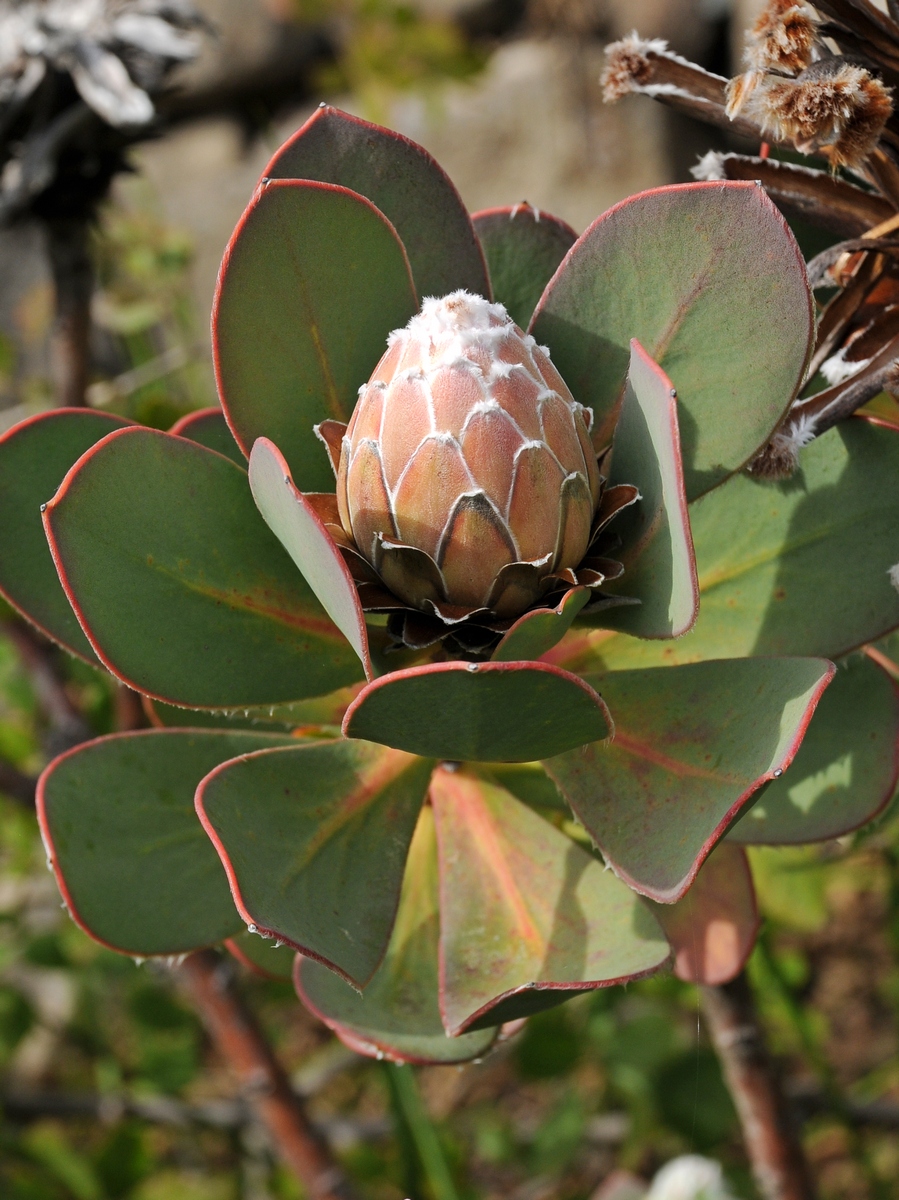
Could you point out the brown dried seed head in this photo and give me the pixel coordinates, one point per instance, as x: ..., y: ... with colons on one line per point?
x: 628, y: 65
x: 784, y: 38
x: 841, y: 113
x: 467, y: 446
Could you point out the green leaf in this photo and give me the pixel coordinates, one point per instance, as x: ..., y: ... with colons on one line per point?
x: 846, y: 768
x: 657, y: 548
x: 313, y: 281
x: 712, y: 930
x: 181, y: 588
x: 398, y: 1015
x: 130, y: 857
x: 308, y: 716
x: 404, y: 182
x: 300, y: 530
x: 792, y: 568
x: 314, y: 839
x: 488, y: 712
x: 692, y: 745
x: 209, y: 427
x: 527, y: 917
x: 268, y: 959
x: 710, y: 280
x: 541, y: 629
x: 523, y: 247
x: 34, y: 457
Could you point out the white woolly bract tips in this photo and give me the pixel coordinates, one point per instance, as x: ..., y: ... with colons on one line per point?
x: 780, y: 458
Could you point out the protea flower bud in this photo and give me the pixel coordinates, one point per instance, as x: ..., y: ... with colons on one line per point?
x: 467, y: 478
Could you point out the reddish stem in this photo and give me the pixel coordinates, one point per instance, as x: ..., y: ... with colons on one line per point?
x: 241, y: 1043
x: 775, y: 1152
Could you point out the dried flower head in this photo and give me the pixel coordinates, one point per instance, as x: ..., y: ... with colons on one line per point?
x: 833, y: 107
x: 780, y: 458
x: 628, y: 65
x: 784, y: 38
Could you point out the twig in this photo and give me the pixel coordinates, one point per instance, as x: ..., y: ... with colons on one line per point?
x: 68, y: 248
x: 775, y: 1153
x: 15, y: 784
x: 242, y: 1044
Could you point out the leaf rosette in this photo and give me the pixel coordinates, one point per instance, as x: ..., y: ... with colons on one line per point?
x: 478, y: 620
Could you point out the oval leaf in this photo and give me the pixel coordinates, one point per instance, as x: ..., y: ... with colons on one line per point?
x: 134, y: 866
x: 312, y: 282
x: 404, y: 182
x: 314, y: 839
x: 713, y: 929
x: 181, y: 588
x: 539, y: 630
x: 846, y: 769
x: 692, y: 744
x: 301, y: 532
x: 34, y: 457
x: 523, y: 247
x: 710, y: 280
x: 397, y: 1016
x: 657, y: 547
x: 209, y: 427
x: 789, y: 568
x: 527, y: 917
x: 487, y: 712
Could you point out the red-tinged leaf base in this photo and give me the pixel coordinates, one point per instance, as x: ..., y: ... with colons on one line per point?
x: 487, y: 712
x: 528, y: 918
x: 692, y: 745
x: 314, y: 841
x: 712, y: 930
x: 397, y: 1016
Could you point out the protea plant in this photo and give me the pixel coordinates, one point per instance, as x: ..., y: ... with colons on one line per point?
x: 434, y: 662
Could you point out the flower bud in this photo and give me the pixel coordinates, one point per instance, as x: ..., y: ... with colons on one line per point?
x: 467, y: 477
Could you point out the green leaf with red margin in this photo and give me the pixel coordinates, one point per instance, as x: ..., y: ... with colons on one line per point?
x: 846, y: 769
x: 34, y: 457
x: 692, y: 745
x: 300, y: 530
x: 523, y: 247
x: 488, y: 712
x: 312, y: 282
x: 712, y: 930
x: 398, y: 176
x: 539, y: 630
x: 398, y: 1015
x: 134, y: 866
x: 270, y: 960
x: 181, y: 588
x: 527, y: 917
x: 321, y: 714
x: 314, y: 840
x: 209, y: 427
x: 791, y: 568
x: 710, y: 280
x: 657, y: 547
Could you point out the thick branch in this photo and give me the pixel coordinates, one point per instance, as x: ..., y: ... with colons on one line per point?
x: 774, y: 1150
x: 242, y: 1044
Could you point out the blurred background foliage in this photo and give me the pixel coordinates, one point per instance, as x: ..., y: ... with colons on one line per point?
x: 109, y: 1089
